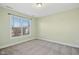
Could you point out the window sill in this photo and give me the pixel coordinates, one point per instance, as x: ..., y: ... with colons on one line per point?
x: 17, y: 37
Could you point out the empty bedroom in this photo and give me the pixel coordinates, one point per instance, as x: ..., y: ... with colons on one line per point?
x: 39, y: 28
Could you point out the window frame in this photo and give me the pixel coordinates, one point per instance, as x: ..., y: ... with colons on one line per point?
x: 30, y: 28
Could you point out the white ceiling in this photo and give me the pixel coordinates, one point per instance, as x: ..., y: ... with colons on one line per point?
x: 45, y: 10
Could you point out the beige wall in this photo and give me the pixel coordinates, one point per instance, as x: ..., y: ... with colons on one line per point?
x: 62, y: 27
x: 5, y: 39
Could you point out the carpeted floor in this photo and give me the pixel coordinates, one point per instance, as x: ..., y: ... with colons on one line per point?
x: 39, y: 47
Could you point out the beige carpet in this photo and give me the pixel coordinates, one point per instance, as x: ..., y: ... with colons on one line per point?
x: 39, y: 47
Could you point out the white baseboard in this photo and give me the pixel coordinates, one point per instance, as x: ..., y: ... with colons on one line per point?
x: 71, y: 45
x: 14, y: 43
x: 67, y: 44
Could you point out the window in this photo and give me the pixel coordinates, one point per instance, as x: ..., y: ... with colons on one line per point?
x: 19, y: 26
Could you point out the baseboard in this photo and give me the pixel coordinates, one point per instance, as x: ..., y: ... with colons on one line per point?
x: 71, y: 45
x: 5, y: 46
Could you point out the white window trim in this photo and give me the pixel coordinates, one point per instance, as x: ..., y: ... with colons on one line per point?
x: 27, y: 35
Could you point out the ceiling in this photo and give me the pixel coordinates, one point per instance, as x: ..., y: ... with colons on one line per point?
x: 45, y: 10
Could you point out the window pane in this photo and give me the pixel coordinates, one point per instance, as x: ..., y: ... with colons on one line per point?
x: 25, y: 25
x: 16, y: 31
x: 17, y: 22
x: 16, y: 26
x: 24, y: 22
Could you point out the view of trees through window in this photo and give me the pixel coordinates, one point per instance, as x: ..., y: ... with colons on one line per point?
x: 19, y: 26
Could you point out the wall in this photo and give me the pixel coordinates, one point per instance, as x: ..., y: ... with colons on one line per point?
x: 61, y: 27
x: 5, y: 39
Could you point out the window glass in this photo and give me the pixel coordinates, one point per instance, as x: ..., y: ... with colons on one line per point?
x: 19, y: 26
